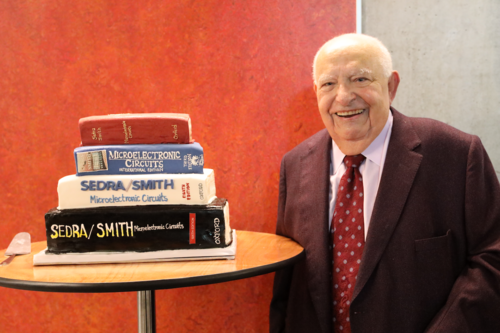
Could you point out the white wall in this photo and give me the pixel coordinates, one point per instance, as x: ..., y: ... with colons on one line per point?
x: 447, y: 53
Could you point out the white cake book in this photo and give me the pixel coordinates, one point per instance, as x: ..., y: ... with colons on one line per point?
x: 136, y: 190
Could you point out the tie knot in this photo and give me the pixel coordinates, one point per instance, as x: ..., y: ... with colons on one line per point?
x: 353, y: 161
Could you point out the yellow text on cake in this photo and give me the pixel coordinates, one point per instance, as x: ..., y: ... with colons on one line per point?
x: 68, y: 231
x: 115, y: 229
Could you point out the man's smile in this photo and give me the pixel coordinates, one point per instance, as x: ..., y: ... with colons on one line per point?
x: 349, y: 113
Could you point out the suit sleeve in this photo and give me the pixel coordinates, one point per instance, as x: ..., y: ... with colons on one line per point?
x: 283, y: 277
x: 474, y: 302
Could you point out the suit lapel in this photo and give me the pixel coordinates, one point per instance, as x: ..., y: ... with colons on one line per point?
x: 401, y: 166
x: 314, y: 187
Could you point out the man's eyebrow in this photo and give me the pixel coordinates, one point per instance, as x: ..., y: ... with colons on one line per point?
x: 325, y: 78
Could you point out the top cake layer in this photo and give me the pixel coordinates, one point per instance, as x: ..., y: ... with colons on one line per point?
x: 135, y: 128
x: 136, y: 190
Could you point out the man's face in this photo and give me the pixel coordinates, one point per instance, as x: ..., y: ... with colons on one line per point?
x: 353, y: 95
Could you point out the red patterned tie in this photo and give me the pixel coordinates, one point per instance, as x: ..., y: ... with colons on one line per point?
x: 348, y: 240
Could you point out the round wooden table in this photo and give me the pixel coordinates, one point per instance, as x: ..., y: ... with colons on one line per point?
x: 256, y: 254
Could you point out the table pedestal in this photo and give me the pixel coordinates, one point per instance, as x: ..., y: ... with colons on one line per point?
x: 146, y: 311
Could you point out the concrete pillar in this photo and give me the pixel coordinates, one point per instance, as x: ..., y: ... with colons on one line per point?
x: 448, y: 56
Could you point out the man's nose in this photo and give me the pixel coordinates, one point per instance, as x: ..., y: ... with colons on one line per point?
x: 345, y: 95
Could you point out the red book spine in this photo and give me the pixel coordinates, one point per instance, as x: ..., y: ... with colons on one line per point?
x: 192, y: 228
x: 144, y: 128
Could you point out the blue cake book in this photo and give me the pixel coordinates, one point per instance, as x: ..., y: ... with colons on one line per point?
x: 139, y: 159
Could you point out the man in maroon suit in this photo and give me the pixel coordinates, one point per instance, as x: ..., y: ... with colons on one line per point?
x: 431, y: 211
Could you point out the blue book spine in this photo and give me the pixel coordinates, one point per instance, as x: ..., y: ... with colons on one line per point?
x: 139, y: 159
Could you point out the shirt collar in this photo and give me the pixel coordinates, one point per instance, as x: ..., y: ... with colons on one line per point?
x: 373, y: 152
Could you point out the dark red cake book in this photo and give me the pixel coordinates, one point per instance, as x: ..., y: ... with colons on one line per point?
x: 135, y: 128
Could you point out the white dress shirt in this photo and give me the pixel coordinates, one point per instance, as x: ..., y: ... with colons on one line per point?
x: 370, y: 169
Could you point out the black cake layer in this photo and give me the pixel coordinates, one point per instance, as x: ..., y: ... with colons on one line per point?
x: 138, y: 228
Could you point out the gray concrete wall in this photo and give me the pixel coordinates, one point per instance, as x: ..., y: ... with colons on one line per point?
x: 447, y: 53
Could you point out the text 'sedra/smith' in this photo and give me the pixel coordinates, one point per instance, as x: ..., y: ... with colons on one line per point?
x: 92, y: 185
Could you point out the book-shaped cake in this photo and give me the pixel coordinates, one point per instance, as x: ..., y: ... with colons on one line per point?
x: 141, y: 229
x: 136, y: 190
x: 140, y: 194
x: 135, y: 128
x: 139, y: 159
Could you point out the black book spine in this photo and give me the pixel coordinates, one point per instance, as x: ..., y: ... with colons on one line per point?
x: 138, y: 228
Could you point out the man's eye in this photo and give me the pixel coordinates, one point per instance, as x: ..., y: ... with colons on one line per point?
x: 361, y: 79
x: 328, y: 84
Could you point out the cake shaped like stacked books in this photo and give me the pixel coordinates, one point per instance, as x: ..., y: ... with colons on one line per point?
x: 149, y: 201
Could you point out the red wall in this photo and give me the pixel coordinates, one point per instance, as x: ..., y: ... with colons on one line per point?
x: 242, y: 69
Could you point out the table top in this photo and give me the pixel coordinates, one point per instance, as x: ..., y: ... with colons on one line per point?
x: 256, y: 254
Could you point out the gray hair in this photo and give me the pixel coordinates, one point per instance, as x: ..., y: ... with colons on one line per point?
x: 385, y: 56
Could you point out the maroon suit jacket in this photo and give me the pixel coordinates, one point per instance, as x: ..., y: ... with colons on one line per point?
x: 431, y: 261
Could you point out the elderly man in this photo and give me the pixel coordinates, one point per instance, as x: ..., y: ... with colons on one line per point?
x: 399, y: 216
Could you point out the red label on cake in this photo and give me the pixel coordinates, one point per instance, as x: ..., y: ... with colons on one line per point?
x: 192, y: 228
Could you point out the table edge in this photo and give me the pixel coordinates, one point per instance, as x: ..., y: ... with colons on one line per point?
x: 65, y: 287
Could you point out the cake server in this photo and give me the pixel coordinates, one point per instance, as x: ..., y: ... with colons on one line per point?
x: 21, y: 244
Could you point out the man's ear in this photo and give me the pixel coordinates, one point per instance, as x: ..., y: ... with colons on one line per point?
x: 393, y: 85
x: 315, y: 88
